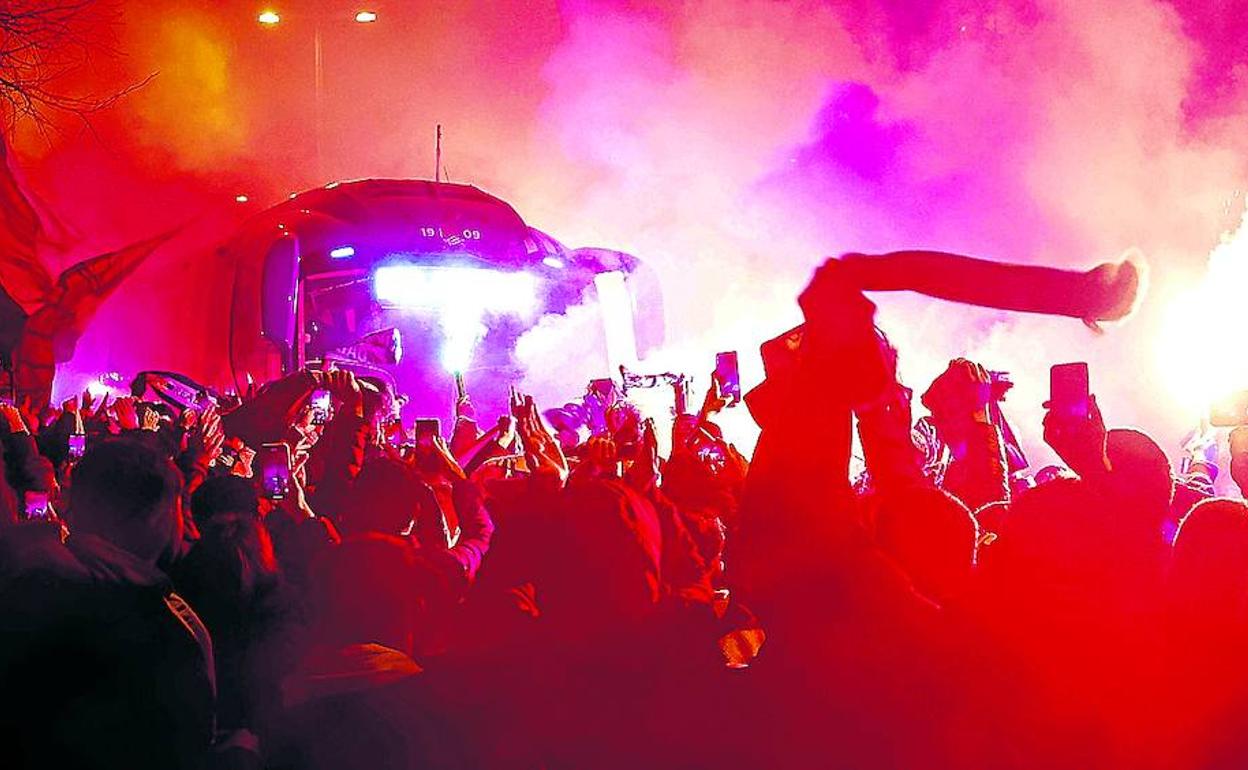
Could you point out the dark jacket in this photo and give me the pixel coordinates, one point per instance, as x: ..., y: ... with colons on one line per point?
x: 101, y: 664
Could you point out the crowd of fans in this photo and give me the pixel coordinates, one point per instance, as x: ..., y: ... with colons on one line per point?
x: 514, y: 597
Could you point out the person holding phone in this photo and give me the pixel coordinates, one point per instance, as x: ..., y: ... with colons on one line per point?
x: 342, y: 446
x: 1073, y: 425
x: 25, y: 467
x: 275, y: 470
x: 98, y: 609
x: 978, y: 473
x: 728, y: 377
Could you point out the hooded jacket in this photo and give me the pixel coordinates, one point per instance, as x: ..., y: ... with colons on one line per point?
x: 101, y: 663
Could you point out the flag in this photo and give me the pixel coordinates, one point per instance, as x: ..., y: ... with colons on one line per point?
x: 22, y: 275
x: 12, y: 321
x: 53, y: 331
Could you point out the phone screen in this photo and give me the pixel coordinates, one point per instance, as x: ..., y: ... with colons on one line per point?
x: 319, y: 405
x: 425, y: 429
x: 1068, y: 389
x: 36, y: 505
x: 275, y: 470
x: 77, y: 445
x: 729, y: 376
x: 228, y: 458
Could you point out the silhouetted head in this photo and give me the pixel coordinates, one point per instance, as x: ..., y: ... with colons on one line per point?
x: 127, y: 492
x: 610, y: 548
x: 1141, y: 474
x: 366, y: 590
x: 1208, y: 572
x: 1053, y: 543
x: 932, y: 535
x: 385, y: 498
x: 224, y: 495
x: 233, y: 558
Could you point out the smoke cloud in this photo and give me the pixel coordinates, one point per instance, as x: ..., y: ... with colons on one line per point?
x: 731, y: 145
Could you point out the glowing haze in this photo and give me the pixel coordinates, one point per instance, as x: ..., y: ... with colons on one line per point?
x: 732, y: 145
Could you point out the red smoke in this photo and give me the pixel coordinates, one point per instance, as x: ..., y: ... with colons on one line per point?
x: 731, y: 144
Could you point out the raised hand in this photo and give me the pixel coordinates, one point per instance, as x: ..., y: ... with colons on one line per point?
x: 714, y: 402
x: 344, y: 388
x: 541, y: 450
x: 98, y: 414
x: 450, y: 466
x: 207, y: 438
x: 87, y: 403
x: 1078, y: 440
x: 150, y: 420
x: 600, y: 457
x: 959, y: 395
x: 506, y: 431
x: 643, y: 474
x: 127, y: 413
x: 13, y: 418
x: 295, y: 502
x: 834, y: 304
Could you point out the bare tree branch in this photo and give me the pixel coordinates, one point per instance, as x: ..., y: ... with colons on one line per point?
x: 45, y: 45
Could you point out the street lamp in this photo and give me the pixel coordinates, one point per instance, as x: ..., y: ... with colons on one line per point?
x: 270, y: 18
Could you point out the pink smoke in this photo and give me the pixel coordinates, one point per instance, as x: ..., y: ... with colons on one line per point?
x: 732, y: 145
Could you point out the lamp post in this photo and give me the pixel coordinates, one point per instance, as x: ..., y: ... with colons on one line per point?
x: 272, y: 18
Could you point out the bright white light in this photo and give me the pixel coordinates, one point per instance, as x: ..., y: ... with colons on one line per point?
x: 443, y: 288
x: 554, y: 262
x: 268, y: 17
x: 342, y: 252
x: 461, y: 297
x: 98, y: 389
x: 617, y: 319
x: 366, y: 17
x: 1200, y: 345
x: 106, y: 384
x: 241, y: 198
x: 462, y: 330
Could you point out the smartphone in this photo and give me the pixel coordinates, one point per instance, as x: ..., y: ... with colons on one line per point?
x: 1068, y: 389
x: 77, y: 445
x: 274, y: 470
x: 729, y: 376
x: 461, y: 392
x: 319, y: 405
x: 36, y: 506
x: 425, y: 429
x: 227, y: 459
x: 1230, y: 412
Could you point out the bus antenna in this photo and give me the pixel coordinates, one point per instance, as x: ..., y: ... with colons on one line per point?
x: 437, y: 156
